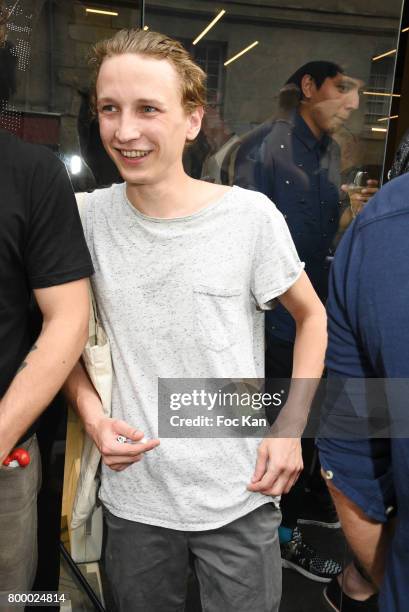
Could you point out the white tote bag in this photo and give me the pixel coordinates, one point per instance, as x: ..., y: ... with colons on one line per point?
x: 86, y: 518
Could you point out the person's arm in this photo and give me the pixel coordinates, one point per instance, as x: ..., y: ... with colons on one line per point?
x: 279, y: 459
x: 356, y: 202
x: 104, y: 430
x: 65, y: 310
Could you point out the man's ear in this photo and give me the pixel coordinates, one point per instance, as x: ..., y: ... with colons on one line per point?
x: 308, y: 86
x: 194, y: 123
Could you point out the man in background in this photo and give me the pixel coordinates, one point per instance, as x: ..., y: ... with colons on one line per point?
x: 294, y: 160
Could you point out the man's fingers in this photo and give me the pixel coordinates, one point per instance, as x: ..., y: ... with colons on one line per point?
x: 111, y: 460
x: 278, y: 485
x: 126, y: 449
x: 119, y: 467
x: 266, y: 482
x: 261, y: 464
x: 127, y: 431
x: 290, y: 483
x: 276, y: 482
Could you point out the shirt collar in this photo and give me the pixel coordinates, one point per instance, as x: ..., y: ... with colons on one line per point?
x: 303, y: 132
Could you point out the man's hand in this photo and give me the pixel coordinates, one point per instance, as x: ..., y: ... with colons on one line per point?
x: 119, y: 455
x: 359, y: 198
x: 279, y: 463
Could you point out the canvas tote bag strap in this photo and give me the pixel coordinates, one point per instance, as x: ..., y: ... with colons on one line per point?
x: 94, y: 325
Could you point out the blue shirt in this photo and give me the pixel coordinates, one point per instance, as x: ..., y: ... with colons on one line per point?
x: 300, y: 174
x: 368, y: 325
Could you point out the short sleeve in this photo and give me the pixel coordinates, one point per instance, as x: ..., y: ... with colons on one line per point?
x: 276, y: 264
x: 345, y: 355
x: 55, y: 251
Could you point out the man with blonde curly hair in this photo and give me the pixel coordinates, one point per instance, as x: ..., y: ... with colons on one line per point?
x: 184, y: 270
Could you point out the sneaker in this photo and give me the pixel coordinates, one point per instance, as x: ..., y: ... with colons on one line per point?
x: 318, y: 509
x: 302, y: 558
x: 337, y: 600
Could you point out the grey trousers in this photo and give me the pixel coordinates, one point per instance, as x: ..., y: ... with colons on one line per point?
x: 238, y: 566
x: 18, y: 523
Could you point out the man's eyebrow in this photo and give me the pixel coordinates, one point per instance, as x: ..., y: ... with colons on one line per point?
x: 150, y: 101
x: 346, y: 80
x: 146, y: 101
x: 104, y: 99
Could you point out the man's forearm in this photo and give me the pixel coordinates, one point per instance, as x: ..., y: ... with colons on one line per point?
x: 83, y: 397
x: 309, y: 347
x: 40, y: 376
x: 308, y: 365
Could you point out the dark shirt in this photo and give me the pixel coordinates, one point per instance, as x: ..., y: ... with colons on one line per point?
x: 300, y: 174
x: 368, y: 326
x: 41, y: 241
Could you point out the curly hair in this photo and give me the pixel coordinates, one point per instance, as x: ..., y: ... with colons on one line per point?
x: 153, y: 44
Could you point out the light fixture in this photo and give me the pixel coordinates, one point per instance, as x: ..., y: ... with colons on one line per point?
x: 75, y: 164
x: 146, y: 28
x: 387, y: 118
x: 101, y: 12
x: 376, y: 129
x: 405, y: 29
x: 380, y: 93
x: 378, y: 57
x: 232, y: 59
x: 209, y: 27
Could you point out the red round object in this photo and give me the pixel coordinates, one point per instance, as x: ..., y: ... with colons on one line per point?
x: 21, y: 455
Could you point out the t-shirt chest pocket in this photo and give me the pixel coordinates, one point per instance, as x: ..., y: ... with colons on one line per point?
x: 216, y: 316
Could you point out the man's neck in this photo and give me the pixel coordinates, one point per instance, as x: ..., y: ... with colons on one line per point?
x: 310, y: 122
x: 178, y: 196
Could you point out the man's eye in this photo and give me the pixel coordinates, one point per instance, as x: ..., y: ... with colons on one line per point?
x: 149, y: 109
x: 108, y: 108
x: 345, y: 88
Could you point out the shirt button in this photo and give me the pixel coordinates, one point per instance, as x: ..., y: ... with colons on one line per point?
x: 323, y: 202
x: 332, y: 219
x: 324, y: 235
x: 300, y: 165
x: 329, y: 474
x: 282, y: 147
x: 287, y: 182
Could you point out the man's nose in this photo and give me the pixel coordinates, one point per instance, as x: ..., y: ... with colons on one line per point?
x: 352, y: 102
x: 128, y: 128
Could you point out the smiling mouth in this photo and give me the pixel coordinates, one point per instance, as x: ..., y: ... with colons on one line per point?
x: 133, y: 154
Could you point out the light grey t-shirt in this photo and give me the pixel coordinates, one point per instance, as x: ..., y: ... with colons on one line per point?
x: 183, y: 298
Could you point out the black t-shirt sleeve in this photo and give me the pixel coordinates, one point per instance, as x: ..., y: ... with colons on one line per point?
x: 55, y: 248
